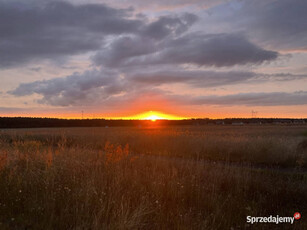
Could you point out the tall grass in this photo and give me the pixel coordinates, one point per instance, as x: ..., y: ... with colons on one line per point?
x: 164, y: 178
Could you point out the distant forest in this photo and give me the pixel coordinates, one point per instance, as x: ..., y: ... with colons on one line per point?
x: 23, y: 122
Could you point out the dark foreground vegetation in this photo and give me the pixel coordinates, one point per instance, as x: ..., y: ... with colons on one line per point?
x: 28, y: 122
x: 186, y: 177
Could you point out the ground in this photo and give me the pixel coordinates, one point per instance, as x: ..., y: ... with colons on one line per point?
x: 185, y: 177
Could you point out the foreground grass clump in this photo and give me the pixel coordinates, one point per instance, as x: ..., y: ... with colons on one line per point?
x: 140, y: 178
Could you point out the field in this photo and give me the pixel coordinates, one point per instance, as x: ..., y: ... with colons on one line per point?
x: 200, y: 177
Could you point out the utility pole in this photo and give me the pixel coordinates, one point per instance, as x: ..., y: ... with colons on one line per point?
x: 82, y: 114
x: 254, y: 114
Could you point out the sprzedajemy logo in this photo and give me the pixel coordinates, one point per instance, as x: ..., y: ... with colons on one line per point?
x: 273, y: 219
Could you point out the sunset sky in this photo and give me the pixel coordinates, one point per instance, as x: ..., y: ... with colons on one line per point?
x: 122, y: 58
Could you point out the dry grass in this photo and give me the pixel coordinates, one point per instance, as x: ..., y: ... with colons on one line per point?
x: 207, y: 177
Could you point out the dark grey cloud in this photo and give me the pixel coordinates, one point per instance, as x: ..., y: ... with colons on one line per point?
x: 123, y: 48
x: 169, y: 25
x: 280, y: 77
x: 75, y: 89
x: 160, y: 5
x: 148, y: 40
x: 203, y: 50
x: 206, y: 79
x: 36, y: 30
x: 212, y: 50
x: 198, y: 78
x: 52, y: 29
x: 250, y: 99
x: 279, y: 24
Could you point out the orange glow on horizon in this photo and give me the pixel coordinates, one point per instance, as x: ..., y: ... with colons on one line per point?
x: 169, y: 113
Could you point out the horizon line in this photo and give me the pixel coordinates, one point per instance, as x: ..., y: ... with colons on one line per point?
x: 127, y: 119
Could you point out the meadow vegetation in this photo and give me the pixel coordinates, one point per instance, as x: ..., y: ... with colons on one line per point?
x: 200, y: 177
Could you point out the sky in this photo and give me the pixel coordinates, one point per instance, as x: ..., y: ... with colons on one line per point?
x: 122, y: 58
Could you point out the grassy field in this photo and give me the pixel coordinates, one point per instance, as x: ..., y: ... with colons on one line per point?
x: 202, y: 177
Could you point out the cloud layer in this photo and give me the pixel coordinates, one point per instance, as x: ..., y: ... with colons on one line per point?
x: 277, y: 24
x: 202, y: 50
x: 133, y: 54
x: 252, y: 99
x: 58, y: 29
x: 98, y: 87
x: 75, y: 89
x: 55, y: 29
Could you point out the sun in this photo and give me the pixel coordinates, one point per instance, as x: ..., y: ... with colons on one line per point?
x: 154, y: 116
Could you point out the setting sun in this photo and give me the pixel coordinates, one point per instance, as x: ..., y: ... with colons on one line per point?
x: 155, y: 115
x: 153, y: 118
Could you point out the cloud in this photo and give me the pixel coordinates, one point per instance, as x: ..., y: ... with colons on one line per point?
x: 124, y: 48
x: 157, y: 5
x: 169, y: 25
x: 172, y: 4
x: 280, y: 77
x: 107, y: 87
x: 206, y: 79
x: 248, y: 99
x: 278, y: 24
x: 282, y: 23
x: 147, y: 41
x: 53, y: 29
x: 217, y: 50
x: 213, y: 50
x: 198, y: 78
x: 75, y: 89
